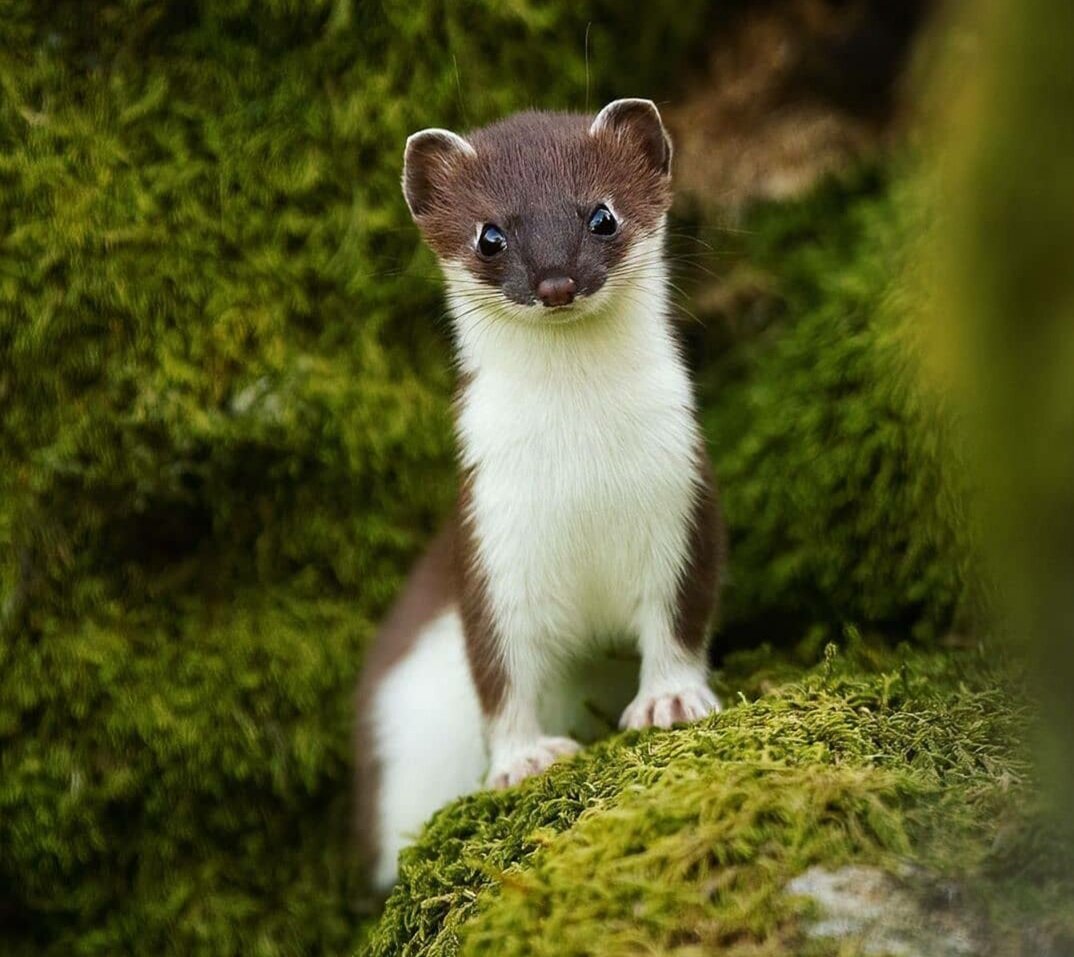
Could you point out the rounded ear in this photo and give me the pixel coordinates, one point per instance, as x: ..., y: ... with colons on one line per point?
x: 428, y: 153
x: 640, y: 121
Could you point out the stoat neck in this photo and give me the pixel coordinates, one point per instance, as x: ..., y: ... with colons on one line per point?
x: 581, y: 392
x: 628, y: 337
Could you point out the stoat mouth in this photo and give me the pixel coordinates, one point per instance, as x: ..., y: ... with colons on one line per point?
x: 563, y: 315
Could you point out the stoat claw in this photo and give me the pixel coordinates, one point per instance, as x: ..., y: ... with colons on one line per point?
x: 664, y: 710
x: 524, y: 763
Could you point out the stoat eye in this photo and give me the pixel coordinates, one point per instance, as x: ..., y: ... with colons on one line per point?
x: 491, y: 241
x: 602, y: 222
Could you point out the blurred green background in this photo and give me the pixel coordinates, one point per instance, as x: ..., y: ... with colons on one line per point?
x: 225, y: 376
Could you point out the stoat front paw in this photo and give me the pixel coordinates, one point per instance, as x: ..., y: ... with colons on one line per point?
x: 520, y: 764
x: 663, y: 710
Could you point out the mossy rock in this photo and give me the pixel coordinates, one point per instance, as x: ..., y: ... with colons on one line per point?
x: 683, y: 842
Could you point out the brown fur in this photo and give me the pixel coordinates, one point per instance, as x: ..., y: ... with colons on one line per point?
x: 452, y: 192
x: 482, y: 651
x: 699, y: 588
x: 471, y: 586
x: 447, y: 574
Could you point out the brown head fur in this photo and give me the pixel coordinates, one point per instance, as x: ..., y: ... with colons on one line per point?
x: 456, y: 186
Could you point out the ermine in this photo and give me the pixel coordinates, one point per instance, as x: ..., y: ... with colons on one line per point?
x: 586, y: 516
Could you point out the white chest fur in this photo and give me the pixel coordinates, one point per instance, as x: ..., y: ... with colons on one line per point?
x: 583, y: 448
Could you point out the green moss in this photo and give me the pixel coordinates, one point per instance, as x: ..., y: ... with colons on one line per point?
x: 839, y: 473
x: 178, y: 786
x: 682, y: 841
x: 692, y: 865
x: 225, y: 434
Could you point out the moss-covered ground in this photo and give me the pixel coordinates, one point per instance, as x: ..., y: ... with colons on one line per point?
x: 683, y: 842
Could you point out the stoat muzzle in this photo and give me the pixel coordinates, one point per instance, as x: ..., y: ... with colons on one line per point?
x: 587, y: 517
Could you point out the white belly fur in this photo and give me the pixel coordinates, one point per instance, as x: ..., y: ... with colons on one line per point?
x: 583, y: 448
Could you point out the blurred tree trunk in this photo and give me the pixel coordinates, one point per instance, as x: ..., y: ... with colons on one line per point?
x: 1010, y: 245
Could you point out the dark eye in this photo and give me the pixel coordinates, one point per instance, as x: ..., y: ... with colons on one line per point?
x: 491, y: 242
x: 602, y: 222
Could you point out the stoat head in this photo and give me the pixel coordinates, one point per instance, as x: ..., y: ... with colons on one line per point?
x: 544, y: 217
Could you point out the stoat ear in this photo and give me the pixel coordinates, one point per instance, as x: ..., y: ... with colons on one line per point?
x: 428, y: 155
x: 638, y: 120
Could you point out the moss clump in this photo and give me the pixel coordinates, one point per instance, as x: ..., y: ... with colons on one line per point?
x: 693, y: 863
x: 682, y: 841
x: 177, y: 786
x: 838, y: 473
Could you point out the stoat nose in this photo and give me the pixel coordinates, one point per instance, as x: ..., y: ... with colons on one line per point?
x: 556, y: 291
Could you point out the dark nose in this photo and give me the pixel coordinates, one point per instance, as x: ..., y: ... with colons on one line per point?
x: 556, y: 291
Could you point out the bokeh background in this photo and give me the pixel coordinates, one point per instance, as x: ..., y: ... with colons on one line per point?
x: 225, y: 433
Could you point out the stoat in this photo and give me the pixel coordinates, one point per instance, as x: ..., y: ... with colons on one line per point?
x: 586, y: 515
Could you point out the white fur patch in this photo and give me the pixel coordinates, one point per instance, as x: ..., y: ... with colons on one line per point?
x: 427, y: 730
